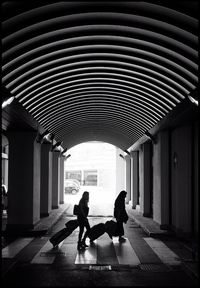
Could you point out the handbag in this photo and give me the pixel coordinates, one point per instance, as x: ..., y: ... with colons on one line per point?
x: 76, y: 210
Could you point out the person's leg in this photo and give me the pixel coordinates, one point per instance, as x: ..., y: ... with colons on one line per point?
x: 87, y: 226
x: 120, y: 229
x: 81, y: 229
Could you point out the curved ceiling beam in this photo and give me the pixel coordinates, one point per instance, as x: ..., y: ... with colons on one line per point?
x: 58, y: 47
x: 112, y: 82
x: 135, y: 98
x: 133, y: 55
x: 166, y: 11
x: 91, y: 134
x: 59, y: 77
x: 59, y: 114
x: 111, y: 122
x: 164, y: 82
x: 100, y: 70
x: 119, y: 88
x: 99, y: 18
x: 32, y: 45
x: 121, y: 78
x: 98, y: 98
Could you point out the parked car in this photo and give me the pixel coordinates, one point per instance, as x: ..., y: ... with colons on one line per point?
x: 72, y: 186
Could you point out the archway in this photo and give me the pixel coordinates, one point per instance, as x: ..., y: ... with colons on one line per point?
x: 97, y: 167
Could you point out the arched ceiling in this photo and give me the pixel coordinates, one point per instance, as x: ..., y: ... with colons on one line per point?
x: 104, y: 71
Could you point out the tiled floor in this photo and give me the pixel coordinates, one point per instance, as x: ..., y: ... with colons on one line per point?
x: 33, y: 262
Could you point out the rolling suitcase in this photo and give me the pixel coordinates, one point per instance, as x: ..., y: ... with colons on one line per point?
x: 111, y: 228
x: 65, y: 232
x: 96, y: 231
x: 72, y: 224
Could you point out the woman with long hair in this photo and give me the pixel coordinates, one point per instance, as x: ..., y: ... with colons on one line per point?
x: 82, y: 220
x: 120, y: 213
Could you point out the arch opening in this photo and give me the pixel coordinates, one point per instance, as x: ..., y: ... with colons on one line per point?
x: 95, y: 167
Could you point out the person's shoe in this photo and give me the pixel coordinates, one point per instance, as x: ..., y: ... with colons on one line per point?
x: 84, y: 245
x: 121, y: 239
x: 54, y: 245
x: 80, y: 246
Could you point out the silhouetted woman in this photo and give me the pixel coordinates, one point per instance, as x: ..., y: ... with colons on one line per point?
x: 120, y: 213
x: 82, y: 220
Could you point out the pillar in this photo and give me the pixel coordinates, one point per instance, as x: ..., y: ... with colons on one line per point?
x: 134, y: 179
x: 181, y: 180
x: 46, y: 179
x: 161, y: 180
x: 55, y: 179
x: 145, y: 179
x: 23, y: 180
x: 128, y: 178
x: 62, y: 160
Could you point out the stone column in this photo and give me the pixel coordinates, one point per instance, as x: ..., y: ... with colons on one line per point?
x: 134, y: 179
x: 145, y: 179
x: 161, y: 180
x: 46, y: 179
x: 55, y: 179
x: 128, y: 178
x: 24, y: 180
x: 62, y: 161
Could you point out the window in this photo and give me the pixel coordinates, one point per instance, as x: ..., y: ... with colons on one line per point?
x: 90, y: 178
x: 73, y: 174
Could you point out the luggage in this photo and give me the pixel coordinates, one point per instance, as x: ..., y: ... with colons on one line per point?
x: 96, y: 231
x: 76, y: 210
x: 72, y: 224
x: 111, y: 228
x: 65, y: 232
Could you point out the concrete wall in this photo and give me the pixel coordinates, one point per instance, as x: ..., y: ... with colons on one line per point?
x: 181, y: 179
x: 50, y: 180
x: 134, y: 179
x: 36, y: 182
x: 161, y: 179
x: 55, y: 180
x: 141, y: 179
x: 195, y: 186
x: 120, y: 172
x: 157, y: 181
x: 145, y: 178
x: 128, y: 178
x: 24, y: 180
x: 46, y: 179
x: 4, y: 160
x: 62, y: 159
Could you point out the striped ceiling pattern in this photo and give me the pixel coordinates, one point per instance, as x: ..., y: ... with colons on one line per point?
x: 104, y: 71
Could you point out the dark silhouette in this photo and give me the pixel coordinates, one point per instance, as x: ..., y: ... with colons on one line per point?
x: 95, y: 232
x: 120, y: 213
x: 82, y: 220
x: 71, y: 225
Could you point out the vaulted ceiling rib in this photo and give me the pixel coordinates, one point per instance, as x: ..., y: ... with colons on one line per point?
x: 112, y: 69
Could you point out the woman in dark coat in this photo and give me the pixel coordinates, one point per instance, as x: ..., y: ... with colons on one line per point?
x: 120, y: 213
x: 82, y: 220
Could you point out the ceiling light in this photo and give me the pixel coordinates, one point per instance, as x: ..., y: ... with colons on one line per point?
x: 193, y: 100
x: 7, y: 102
x: 56, y: 145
